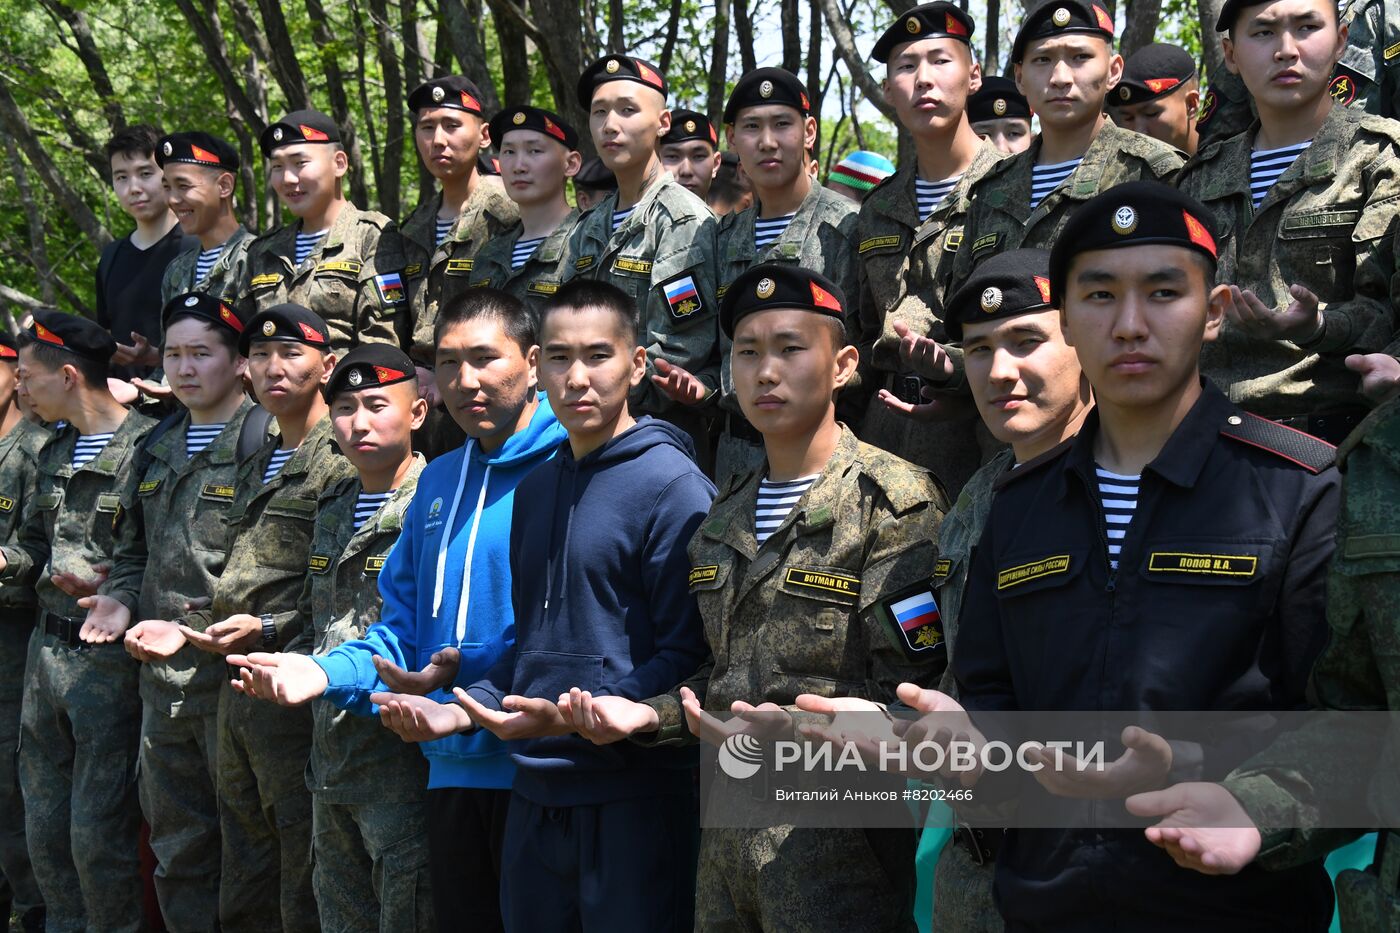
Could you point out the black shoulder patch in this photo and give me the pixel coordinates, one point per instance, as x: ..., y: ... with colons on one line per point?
x: 1311, y: 453
x: 1031, y: 466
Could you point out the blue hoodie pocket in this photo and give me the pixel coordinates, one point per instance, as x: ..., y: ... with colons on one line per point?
x: 547, y: 674
x: 477, y: 659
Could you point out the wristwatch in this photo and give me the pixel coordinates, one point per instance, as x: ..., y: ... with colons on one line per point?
x: 269, y: 632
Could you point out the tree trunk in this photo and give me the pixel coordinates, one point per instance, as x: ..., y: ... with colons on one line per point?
x: 792, y: 41
x: 616, y: 42
x: 743, y: 28
x: 815, y: 91
x: 561, y: 53
x: 38, y: 253
x: 991, y: 61
x: 515, y: 58
x: 91, y: 58
x: 719, y: 63
x: 326, y: 44
x: 1143, y: 16
x: 463, y: 29
x: 1212, y: 56
x: 209, y: 33
x: 389, y: 166
x: 673, y: 31
x: 283, y: 57
x: 854, y: 59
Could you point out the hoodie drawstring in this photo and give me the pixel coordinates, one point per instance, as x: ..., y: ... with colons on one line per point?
x: 467, y: 566
x: 446, y: 541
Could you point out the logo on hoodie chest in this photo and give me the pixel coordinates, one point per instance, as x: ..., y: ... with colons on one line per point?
x: 434, y: 521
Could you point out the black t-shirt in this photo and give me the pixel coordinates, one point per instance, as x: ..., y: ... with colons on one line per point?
x: 128, y: 289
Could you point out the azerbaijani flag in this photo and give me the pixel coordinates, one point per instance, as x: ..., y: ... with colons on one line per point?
x: 914, y: 612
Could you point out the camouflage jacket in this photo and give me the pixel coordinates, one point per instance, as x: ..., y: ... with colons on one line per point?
x: 1326, y: 224
x: 1001, y: 218
x: 69, y: 525
x: 808, y: 612
x: 535, y: 281
x: 354, y: 759
x: 174, y: 523
x: 438, y: 272
x: 272, y: 526
x: 906, y: 264
x: 354, y: 278
x: 1368, y: 76
x: 665, y: 247
x: 1226, y: 109
x: 19, y: 472
x: 228, y: 279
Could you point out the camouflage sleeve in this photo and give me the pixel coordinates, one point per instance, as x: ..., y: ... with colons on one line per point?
x: 671, y: 725
x: 30, y: 553
x: 382, y: 308
x: 129, y: 550
x: 685, y: 262
x: 304, y: 642
x: 169, y: 283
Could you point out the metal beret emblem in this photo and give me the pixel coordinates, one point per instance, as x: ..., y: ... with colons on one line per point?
x: 438, y: 94
x: 913, y: 25
x: 765, y: 288
x: 1124, y: 93
x: 1125, y: 220
x: 269, y: 328
x: 765, y: 90
x: 991, y: 299
x: 168, y: 149
x: 519, y: 117
x: 690, y: 126
x: 1060, y: 17
x: 277, y: 134
x: 612, y: 66
x: 191, y: 301
x: 999, y: 106
x: 356, y: 377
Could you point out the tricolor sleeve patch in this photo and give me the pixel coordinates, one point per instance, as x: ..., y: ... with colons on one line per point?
x: 390, y: 287
x: 682, y: 296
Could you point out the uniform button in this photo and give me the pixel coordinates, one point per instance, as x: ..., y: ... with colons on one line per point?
x: 1235, y: 419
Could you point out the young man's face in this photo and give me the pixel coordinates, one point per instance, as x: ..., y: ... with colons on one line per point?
x: 374, y: 427
x: 1136, y: 317
x: 1285, y: 51
x: 587, y: 367
x: 1025, y: 379
x: 9, y: 380
x: 786, y: 366
x: 1172, y: 118
x: 202, y: 371
x: 1009, y: 134
x: 772, y: 141
x: 138, y: 183
x: 449, y: 141
x: 1066, y: 78
x: 307, y: 176
x: 693, y: 162
x: 43, y: 389
x: 485, y: 378
x: 626, y: 120
x: 928, y: 82
x: 534, y: 167
x: 287, y: 376
x: 196, y: 195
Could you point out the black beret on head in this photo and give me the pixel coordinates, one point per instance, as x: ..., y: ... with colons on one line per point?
x: 997, y: 99
x: 767, y: 86
x: 452, y: 91
x: 619, y: 68
x: 77, y: 335
x: 533, y: 118
x: 1058, y: 17
x: 1007, y: 285
x: 926, y: 21
x: 779, y: 285
x: 8, y: 352
x: 1230, y: 13
x: 1151, y: 72
x: 207, y: 307
x: 299, y: 126
x: 368, y: 366
x: 687, y: 125
x: 1138, y: 213
x: 197, y: 149
x: 286, y: 323
x: 594, y: 174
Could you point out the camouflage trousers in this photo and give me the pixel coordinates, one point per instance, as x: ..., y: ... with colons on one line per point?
x: 80, y: 730
x: 177, y: 796
x: 16, y: 626
x: 264, y: 816
x: 962, y: 894
x: 951, y: 450
x: 371, y: 867
x: 787, y: 879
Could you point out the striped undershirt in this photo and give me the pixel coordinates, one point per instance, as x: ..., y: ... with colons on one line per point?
x: 1266, y: 165
x: 274, y: 465
x: 930, y: 194
x: 523, y: 250
x: 1118, y: 495
x: 775, y: 501
x: 306, y: 242
x: 766, y: 232
x: 367, y: 504
x: 89, y: 446
x: 205, y: 263
x: 620, y: 216
x: 200, y: 436
x: 442, y: 228
x: 1046, y: 178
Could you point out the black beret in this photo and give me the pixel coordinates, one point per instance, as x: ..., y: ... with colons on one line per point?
x: 926, y: 21
x: 533, y: 118
x: 1006, y: 285
x: 8, y: 351
x: 779, y: 285
x: 369, y: 366
x: 594, y: 174
x: 619, y: 68
x: 77, y: 335
x: 1057, y: 17
x: 1151, y: 72
x: 1230, y: 13
x: 687, y: 125
x: 286, y: 323
x: 767, y: 86
x: 196, y: 149
x: 452, y: 91
x: 998, y: 99
x: 207, y: 307
x: 299, y: 126
x: 1138, y: 213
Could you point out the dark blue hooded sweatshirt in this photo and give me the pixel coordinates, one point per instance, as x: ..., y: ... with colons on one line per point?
x: 599, y: 586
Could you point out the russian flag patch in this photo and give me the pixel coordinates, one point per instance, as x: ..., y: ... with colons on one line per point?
x: 390, y: 288
x: 918, y: 619
x: 682, y: 296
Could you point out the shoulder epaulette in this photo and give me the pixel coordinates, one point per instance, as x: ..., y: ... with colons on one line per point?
x: 1381, y: 427
x: 337, y: 489
x: 1033, y: 465
x: 892, y: 473
x: 1311, y: 453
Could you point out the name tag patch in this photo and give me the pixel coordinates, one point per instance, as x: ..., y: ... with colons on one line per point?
x: 373, y: 565
x: 822, y: 581
x: 459, y: 266
x: 217, y: 491
x: 1215, y: 565
x: 542, y: 288
x: 705, y: 574
x: 941, y: 568
x: 985, y: 242
x: 1035, y: 570
x: 6, y: 504
x: 953, y: 240
x: 107, y: 502
x: 635, y: 266
x: 1392, y: 51
x: 319, y: 563
x: 879, y: 244
x: 584, y: 262
x: 262, y: 281
x: 148, y: 487
x: 344, y: 266
x: 413, y: 268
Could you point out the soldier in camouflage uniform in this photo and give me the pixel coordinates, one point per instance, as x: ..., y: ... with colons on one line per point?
x: 345, y: 264
x: 908, y: 232
x: 538, y: 155
x: 264, y: 805
x: 1310, y: 258
x: 1226, y: 110
x: 173, y: 523
x: 1368, y: 76
x: 19, y: 451
x: 690, y: 152
x: 81, y: 712
x: 201, y: 175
